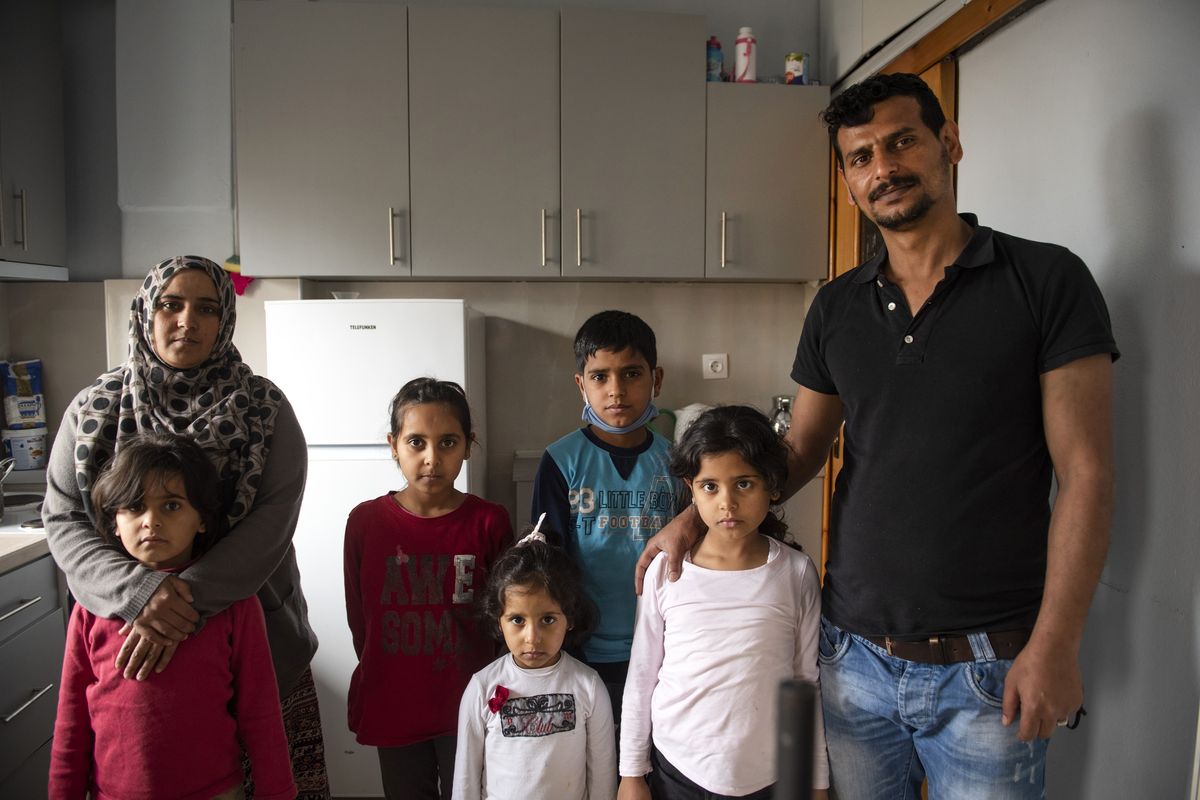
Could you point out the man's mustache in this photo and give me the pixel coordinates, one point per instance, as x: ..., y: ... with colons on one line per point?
x: 899, y: 182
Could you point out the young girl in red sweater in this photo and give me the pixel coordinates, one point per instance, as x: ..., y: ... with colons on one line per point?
x: 174, y: 733
x: 413, y: 562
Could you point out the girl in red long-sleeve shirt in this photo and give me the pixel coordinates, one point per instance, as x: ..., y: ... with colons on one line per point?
x: 173, y: 734
x: 413, y: 561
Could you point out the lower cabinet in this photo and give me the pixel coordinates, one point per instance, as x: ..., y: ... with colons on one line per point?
x: 31, y: 655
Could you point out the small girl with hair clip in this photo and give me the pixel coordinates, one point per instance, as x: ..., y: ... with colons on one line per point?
x: 536, y: 722
x: 710, y: 650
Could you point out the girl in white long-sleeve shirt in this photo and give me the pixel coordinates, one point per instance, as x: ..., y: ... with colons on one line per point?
x: 536, y: 723
x: 709, y: 650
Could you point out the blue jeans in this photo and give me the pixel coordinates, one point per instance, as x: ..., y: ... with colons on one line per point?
x: 890, y: 723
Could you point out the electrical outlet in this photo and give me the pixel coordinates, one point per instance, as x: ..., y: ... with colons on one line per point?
x: 715, y: 366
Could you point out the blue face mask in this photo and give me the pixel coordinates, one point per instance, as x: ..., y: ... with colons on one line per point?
x: 592, y: 418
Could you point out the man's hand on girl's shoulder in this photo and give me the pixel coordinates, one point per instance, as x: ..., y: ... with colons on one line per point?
x: 675, y: 540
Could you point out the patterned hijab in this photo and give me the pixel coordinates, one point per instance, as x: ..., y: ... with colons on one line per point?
x: 221, y: 404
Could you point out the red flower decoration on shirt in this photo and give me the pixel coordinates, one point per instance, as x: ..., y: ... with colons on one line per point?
x: 497, y: 701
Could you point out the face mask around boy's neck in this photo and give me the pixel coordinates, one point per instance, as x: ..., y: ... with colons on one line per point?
x: 590, y: 416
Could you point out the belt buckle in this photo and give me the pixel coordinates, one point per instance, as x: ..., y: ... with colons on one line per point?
x: 888, y: 645
x: 936, y: 645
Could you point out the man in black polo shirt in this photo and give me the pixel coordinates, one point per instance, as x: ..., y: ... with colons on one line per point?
x: 969, y: 367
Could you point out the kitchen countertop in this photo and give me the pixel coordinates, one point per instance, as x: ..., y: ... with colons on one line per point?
x: 19, y: 546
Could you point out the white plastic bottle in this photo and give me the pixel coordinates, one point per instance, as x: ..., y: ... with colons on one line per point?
x: 745, y: 55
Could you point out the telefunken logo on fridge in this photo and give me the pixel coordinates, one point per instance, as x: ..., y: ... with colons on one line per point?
x: 362, y: 327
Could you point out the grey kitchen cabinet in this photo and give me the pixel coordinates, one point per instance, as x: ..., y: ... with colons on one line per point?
x: 484, y: 142
x: 32, y: 176
x: 32, y: 634
x: 626, y: 90
x: 321, y: 118
x: 767, y: 209
x: 582, y: 157
x: 632, y: 144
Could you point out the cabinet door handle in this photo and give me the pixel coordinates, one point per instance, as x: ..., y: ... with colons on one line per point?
x: 578, y: 237
x: 391, y: 235
x: 21, y: 608
x: 543, y: 237
x: 28, y: 703
x: 722, y: 240
x: 24, y: 240
x: 1, y: 209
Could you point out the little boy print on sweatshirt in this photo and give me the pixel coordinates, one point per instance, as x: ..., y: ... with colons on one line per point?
x: 637, y: 513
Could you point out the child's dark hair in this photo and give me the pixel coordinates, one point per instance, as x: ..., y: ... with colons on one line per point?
x: 742, y: 430
x: 614, y: 330
x: 540, y: 565
x: 431, y: 390
x: 160, y: 457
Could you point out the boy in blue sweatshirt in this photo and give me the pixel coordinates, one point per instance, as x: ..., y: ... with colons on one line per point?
x: 606, y: 485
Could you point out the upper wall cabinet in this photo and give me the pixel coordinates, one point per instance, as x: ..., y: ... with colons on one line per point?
x: 484, y: 146
x: 767, y: 182
x: 32, y: 184
x: 632, y: 145
x: 488, y: 162
x: 321, y: 110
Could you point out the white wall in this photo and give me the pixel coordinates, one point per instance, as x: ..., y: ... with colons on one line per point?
x: 1079, y: 123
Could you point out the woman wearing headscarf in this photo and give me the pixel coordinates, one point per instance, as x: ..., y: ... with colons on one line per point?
x: 184, y: 375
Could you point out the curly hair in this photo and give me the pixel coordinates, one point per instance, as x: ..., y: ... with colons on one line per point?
x: 742, y: 430
x: 540, y: 565
x: 160, y: 457
x: 856, y: 105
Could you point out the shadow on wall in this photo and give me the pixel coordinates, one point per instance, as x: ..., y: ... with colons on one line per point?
x: 1147, y: 605
x: 520, y: 408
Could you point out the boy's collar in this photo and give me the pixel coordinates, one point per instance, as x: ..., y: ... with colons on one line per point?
x: 637, y: 449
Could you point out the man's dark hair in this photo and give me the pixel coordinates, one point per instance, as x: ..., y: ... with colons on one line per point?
x: 856, y: 105
x: 614, y: 330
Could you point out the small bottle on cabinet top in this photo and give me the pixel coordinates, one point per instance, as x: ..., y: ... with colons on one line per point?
x: 714, y: 59
x: 745, y: 55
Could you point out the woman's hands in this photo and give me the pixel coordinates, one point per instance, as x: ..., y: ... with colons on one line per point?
x: 165, y: 621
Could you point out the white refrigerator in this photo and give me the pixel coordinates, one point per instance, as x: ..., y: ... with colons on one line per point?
x: 340, y: 362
